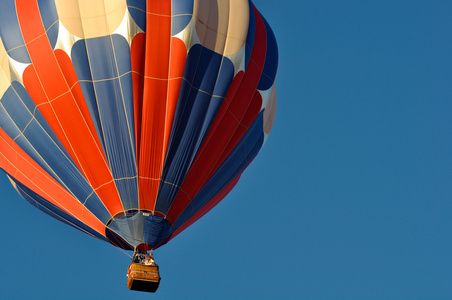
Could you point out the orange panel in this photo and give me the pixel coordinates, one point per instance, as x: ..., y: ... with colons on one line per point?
x: 154, y: 124
x: 178, y: 57
x: 63, y: 113
x: 158, y: 7
x: 68, y: 71
x: 176, y: 72
x: 37, y: 93
x: 152, y: 137
x: 17, y: 163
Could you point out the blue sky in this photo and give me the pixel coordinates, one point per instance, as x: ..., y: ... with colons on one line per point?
x: 349, y: 199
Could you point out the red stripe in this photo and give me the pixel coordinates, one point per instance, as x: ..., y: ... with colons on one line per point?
x: 48, y: 86
x: 208, y: 206
x: 229, y: 126
x: 137, y: 52
x: 248, y: 118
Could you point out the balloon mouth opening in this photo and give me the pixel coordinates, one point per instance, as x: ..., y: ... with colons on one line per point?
x: 116, y: 240
x: 140, y: 229
x: 144, y: 247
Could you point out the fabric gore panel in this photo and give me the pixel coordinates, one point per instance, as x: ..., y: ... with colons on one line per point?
x: 104, y: 69
x: 11, y: 34
x: 48, y: 87
x: 223, y: 129
x: 239, y: 158
x: 21, y: 167
x: 45, y: 206
x: 129, y: 120
x: 206, y: 208
x: 206, y: 76
x: 154, y: 127
x: 22, y: 121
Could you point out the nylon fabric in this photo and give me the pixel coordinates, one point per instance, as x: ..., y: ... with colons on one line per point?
x: 157, y: 230
x: 10, y: 33
x: 154, y: 126
x: 207, y: 207
x: 271, y: 61
x: 47, y: 85
x: 22, y: 121
x: 223, y: 129
x: 197, y: 106
x: 15, y: 162
x: 104, y: 70
x: 54, y: 211
x: 232, y: 166
x: 131, y: 119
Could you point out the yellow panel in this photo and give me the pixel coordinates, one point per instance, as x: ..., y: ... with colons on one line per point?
x: 222, y: 25
x: 5, y: 75
x: 91, y: 18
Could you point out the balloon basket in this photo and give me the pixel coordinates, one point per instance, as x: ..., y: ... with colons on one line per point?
x: 143, y: 278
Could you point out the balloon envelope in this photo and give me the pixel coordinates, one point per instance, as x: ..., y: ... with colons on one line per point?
x: 129, y: 120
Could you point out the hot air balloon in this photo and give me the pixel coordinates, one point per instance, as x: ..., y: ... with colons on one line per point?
x: 130, y: 120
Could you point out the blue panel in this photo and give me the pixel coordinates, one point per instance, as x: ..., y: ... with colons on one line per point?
x: 244, y: 152
x: 250, y: 36
x: 104, y: 68
x: 223, y: 83
x: 156, y: 230
x: 122, y: 53
x: 11, y: 34
x: 26, y: 100
x: 49, y: 16
x: 80, y: 61
x: 181, y: 7
x: 137, y: 9
x: 52, y: 210
x: 35, y: 137
x: 90, y: 99
x: 82, y: 68
x: 271, y: 61
x: 8, y: 110
x: 136, y: 227
x: 181, y: 11
x: 101, y: 58
x: 196, y: 109
x: 181, y: 154
x: 130, y: 227
x: 204, y: 65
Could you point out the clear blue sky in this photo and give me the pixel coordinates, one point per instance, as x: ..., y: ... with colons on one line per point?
x: 349, y: 199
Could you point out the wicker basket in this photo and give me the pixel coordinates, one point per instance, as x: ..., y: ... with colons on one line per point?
x: 143, y: 278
